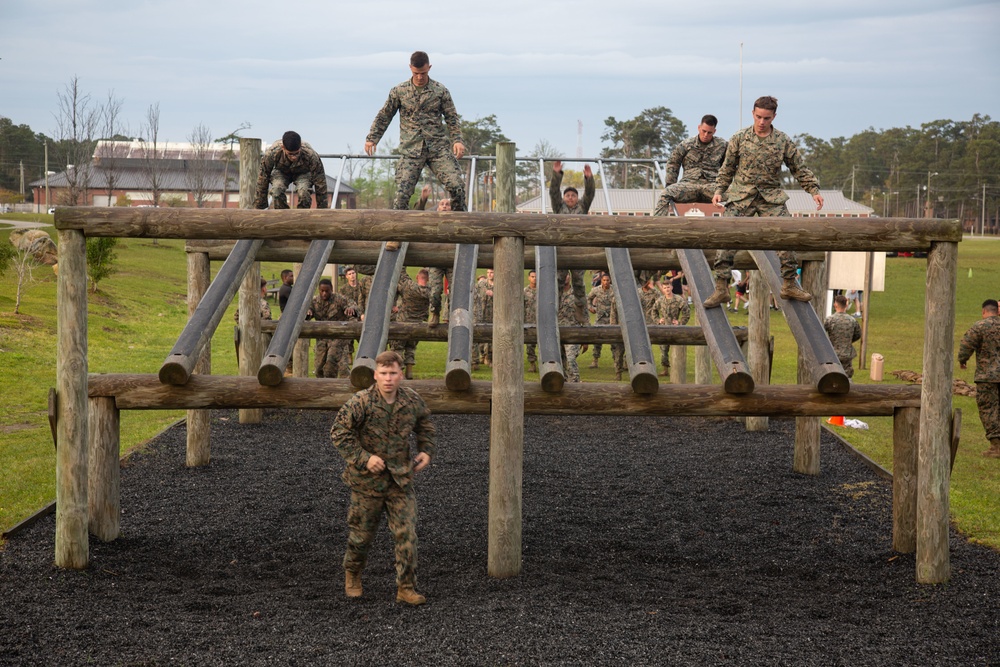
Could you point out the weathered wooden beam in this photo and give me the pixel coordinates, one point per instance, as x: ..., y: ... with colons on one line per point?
x: 599, y: 231
x: 458, y: 368
x: 729, y: 361
x: 251, y: 349
x: 632, y: 322
x: 934, y: 452
x: 145, y: 392
x: 286, y: 332
x: 375, y: 328
x: 551, y: 375
x: 199, y: 278
x: 483, y: 333
x: 905, y: 438
x: 442, y: 254
x: 807, y: 429
x: 201, y: 326
x: 807, y: 329
x: 103, y: 469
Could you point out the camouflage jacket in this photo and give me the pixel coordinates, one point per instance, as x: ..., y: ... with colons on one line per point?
x: 676, y: 307
x: 700, y: 161
x: 308, y: 163
x: 530, y: 304
x: 566, y: 315
x: 421, y: 110
x: 603, y: 301
x: 265, y: 311
x: 367, y: 425
x: 842, y: 329
x: 483, y: 302
x: 358, y: 295
x: 412, y: 299
x: 653, y: 306
x: 332, y: 310
x: 555, y: 195
x: 753, y: 166
x: 983, y: 338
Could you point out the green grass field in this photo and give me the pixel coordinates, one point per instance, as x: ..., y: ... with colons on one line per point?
x: 136, y: 316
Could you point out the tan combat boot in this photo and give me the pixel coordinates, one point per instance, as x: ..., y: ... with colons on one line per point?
x: 791, y: 290
x: 594, y: 364
x: 407, y: 595
x: 581, y: 315
x: 994, y: 451
x: 352, y: 584
x: 391, y: 246
x: 720, y: 295
x: 435, y: 319
x: 409, y: 371
x: 664, y: 371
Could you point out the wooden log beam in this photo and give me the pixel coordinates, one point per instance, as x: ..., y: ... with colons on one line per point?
x: 805, y: 325
x: 483, y: 333
x: 905, y: 437
x: 375, y: 328
x: 286, y: 330
x: 807, y: 429
x: 458, y: 367
x: 104, y: 470
x: 199, y: 449
x: 441, y: 255
x: 251, y: 344
x: 635, y: 334
x: 145, y: 392
x: 201, y: 326
x: 729, y: 360
x: 600, y: 231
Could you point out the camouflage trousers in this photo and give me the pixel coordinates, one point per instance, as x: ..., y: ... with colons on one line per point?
x: 848, y: 365
x: 598, y: 347
x: 279, y: 188
x: 618, y: 356
x: 333, y: 358
x: 988, y: 401
x: 532, y: 353
x: 684, y: 193
x: 363, y: 517
x: 665, y: 356
x: 484, y: 352
x: 406, y: 348
x: 436, y: 283
x: 756, y: 207
x: 445, y: 167
x: 570, y: 367
x: 579, y: 292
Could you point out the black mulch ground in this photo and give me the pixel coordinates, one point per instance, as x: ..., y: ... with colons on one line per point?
x: 646, y: 541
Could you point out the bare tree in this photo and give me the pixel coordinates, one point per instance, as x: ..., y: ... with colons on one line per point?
x: 109, y: 150
x: 199, y: 170
x: 24, y: 264
x: 76, y: 126
x: 152, y: 165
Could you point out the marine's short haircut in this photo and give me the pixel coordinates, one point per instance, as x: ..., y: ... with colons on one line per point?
x: 286, y: 272
x: 710, y: 120
x: 388, y: 358
x: 419, y: 59
x: 350, y: 269
x: 263, y: 282
x: 573, y: 190
x: 840, y: 300
x: 423, y: 272
x: 767, y: 102
x: 326, y: 281
x: 291, y: 140
x: 991, y: 304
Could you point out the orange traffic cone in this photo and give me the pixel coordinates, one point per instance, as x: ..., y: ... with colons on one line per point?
x: 836, y: 421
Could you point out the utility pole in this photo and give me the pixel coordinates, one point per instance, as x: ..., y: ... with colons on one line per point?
x: 20, y: 165
x: 47, y: 204
x: 853, y: 167
x: 982, y: 221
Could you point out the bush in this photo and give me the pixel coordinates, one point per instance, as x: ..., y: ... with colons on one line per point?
x: 101, y: 259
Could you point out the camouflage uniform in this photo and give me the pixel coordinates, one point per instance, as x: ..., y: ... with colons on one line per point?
x: 530, y: 313
x: 483, y: 306
x: 265, y: 311
x: 653, y: 305
x: 701, y: 164
x: 423, y: 139
x: 412, y: 300
x: 843, y: 330
x: 582, y: 208
x: 983, y: 338
x: 436, y: 276
x: 750, y: 181
x: 617, y: 349
x: 566, y: 316
x: 278, y: 171
x: 358, y: 295
x: 332, y: 355
x: 675, y: 307
x: 601, y: 300
x: 367, y: 425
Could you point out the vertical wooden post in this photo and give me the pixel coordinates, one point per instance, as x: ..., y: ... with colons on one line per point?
x: 905, y: 436
x: 251, y: 342
x: 702, y: 360
x: 198, y: 446
x: 300, y: 355
x: 757, y: 340
x: 507, y: 414
x: 678, y: 364
x: 103, y: 469
x: 807, y: 429
x: 72, y: 541
x: 934, y: 453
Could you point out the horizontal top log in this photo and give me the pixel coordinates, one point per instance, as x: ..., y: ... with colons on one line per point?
x: 442, y: 255
x: 908, y: 234
x: 145, y: 392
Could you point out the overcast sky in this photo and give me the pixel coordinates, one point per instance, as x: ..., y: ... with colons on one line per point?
x: 324, y: 68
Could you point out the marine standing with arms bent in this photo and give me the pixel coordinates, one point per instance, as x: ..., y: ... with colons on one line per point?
x: 983, y: 338
x: 750, y: 179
